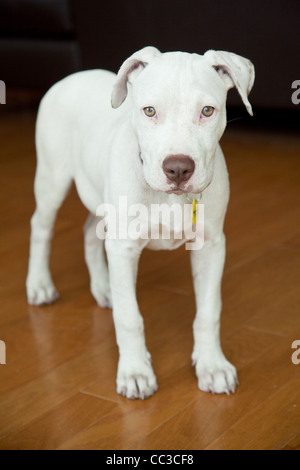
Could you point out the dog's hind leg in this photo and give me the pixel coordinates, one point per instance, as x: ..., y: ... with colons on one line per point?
x: 97, y: 263
x: 51, y: 187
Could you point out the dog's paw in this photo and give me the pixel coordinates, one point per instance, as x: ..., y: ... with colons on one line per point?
x: 102, y: 295
x: 136, y: 381
x: 219, y: 377
x: 41, y: 293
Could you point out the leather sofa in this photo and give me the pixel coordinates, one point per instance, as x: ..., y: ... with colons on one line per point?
x: 38, y: 42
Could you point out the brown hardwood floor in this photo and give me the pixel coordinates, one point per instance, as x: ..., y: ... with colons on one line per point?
x: 57, y: 389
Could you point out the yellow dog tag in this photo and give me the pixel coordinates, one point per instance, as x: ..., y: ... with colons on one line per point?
x: 194, y: 211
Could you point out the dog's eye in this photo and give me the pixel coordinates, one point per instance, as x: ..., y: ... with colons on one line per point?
x: 207, y: 111
x: 150, y: 111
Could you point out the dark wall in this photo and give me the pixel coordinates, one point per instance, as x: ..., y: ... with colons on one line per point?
x: 265, y: 31
x: 42, y: 41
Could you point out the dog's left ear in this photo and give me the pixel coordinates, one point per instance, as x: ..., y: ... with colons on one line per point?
x: 235, y: 71
x: 135, y: 63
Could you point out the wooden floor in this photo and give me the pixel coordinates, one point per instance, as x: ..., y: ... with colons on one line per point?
x: 57, y: 389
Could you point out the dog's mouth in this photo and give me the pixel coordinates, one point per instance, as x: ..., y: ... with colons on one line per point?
x: 181, y: 189
x: 188, y: 190
x: 177, y: 191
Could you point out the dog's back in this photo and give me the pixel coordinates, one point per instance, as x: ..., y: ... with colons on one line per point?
x: 77, y: 104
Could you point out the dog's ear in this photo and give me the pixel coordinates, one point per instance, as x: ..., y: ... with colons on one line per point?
x: 235, y: 71
x: 136, y: 63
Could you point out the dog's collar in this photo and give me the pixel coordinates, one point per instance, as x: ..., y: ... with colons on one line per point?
x: 194, y: 199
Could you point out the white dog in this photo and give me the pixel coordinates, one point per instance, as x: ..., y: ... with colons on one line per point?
x: 160, y: 146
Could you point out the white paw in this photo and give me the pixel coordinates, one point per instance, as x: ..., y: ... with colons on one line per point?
x: 217, y: 377
x: 102, y: 295
x: 42, y: 292
x: 136, y: 381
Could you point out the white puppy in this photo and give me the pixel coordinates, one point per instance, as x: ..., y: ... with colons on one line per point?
x: 160, y: 146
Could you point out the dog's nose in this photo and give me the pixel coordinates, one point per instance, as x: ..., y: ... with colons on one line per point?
x: 178, y: 168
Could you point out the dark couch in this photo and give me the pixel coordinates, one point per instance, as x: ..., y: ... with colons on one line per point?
x: 38, y: 42
x: 42, y: 41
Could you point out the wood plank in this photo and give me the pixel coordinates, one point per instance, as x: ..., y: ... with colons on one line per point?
x: 293, y: 444
x: 258, y: 286
x: 208, y: 417
x: 269, y: 426
x: 58, y: 387
x: 138, y: 417
x: 49, y: 337
x: 178, y: 388
x: 28, y: 402
x: 59, y: 424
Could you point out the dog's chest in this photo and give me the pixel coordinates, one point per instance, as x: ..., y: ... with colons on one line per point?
x: 173, y: 229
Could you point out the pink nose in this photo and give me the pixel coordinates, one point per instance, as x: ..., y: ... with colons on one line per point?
x: 178, y: 168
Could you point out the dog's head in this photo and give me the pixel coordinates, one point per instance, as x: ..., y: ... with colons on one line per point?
x: 179, y: 111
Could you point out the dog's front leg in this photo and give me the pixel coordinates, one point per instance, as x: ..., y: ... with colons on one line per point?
x: 135, y: 377
x: 215, y: 374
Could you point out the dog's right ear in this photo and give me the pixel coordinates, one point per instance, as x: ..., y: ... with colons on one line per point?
x: 137, y: 62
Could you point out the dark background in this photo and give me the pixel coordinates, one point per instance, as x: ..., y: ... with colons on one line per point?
x: 41, y: 41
